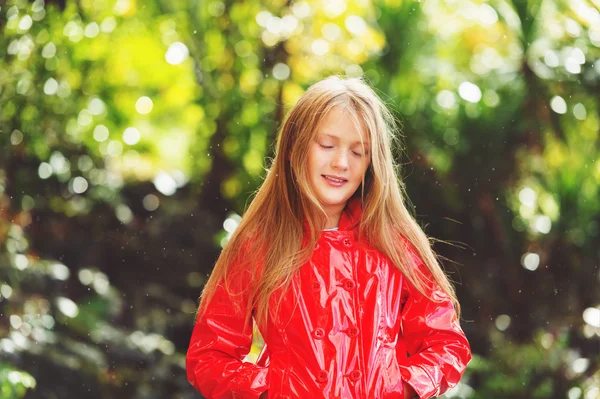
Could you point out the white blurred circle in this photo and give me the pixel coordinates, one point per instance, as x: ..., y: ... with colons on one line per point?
x: 558, y: 105
x: 469, y: 92
x: 177, y: 53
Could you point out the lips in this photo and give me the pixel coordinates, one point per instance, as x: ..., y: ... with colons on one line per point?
x: 335, y: 179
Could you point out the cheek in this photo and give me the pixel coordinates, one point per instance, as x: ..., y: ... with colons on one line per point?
x: 362, y: 170
x: 314, y: 161
x: 317, y: 157
x: 361, y: 167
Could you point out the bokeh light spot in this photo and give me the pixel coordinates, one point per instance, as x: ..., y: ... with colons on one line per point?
x: 320, y: 47
x: 177, y: 53
x: 502, y: 322
x: 331, y: 31
x: 59, y: 271
x: 67, y: 307
x: 542, y: 224
x: 44, y: 170
x: 281, y: 71
x: 101, y: 133
x: 124, y: 214
x: 469, y: 92
x: 446, y: 99
x: 144, y: 105
x: 558, y: 105
x: 355, y: 25
x: 16, y: 137
x: 530, y: 261
x: 96, y: 106
x: 579, y: 111
x: 80, y: 185
x: 151, y: 202
x: 49, y: 50
x: 527, y: 197
x: 592, y: 317
x: 50, y: 87
x: 165, y: 183
x: 131, y: 136
x: 91, y: 30
x: 487, y: 15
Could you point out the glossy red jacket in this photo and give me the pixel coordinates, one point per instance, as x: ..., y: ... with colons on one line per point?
x: 350, y: 326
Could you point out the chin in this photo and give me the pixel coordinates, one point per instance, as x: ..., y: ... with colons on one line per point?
x: 327, y: 200
x: 331, y: 196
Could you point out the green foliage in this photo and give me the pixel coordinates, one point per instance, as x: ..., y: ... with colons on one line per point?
x: 14, y: 383
x: 537, y: 369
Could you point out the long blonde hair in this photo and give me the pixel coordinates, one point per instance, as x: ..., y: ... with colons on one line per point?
x: 273, y: 225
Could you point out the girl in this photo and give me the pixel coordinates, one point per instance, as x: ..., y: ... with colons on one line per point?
x: 339, y: 277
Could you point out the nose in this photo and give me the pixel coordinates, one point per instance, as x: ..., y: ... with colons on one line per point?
x: 340, y: 160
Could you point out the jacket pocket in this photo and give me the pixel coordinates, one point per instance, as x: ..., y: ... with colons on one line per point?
x: 392, y: 388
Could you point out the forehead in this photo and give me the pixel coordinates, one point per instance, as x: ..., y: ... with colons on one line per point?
x: 342, y: 125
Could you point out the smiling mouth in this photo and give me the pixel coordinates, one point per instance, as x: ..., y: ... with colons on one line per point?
x: 334, y: 179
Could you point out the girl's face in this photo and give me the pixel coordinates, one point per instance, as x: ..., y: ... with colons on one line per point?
x: 337, y: 160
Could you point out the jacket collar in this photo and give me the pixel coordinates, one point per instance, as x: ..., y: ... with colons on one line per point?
x: 351, y: 214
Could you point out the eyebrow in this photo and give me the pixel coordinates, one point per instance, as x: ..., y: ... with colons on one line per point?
x: 337, y: 138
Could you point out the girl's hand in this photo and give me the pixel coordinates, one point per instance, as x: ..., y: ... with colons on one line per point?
x: 409, y: 392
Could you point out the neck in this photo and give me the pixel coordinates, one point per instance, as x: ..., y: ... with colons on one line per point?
x: 333, y: 217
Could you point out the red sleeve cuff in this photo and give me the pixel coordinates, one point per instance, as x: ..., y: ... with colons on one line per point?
x: 252, y: 380
x: 420, y: 380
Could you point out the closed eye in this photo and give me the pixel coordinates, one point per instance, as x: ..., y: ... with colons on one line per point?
x: 327, y: 147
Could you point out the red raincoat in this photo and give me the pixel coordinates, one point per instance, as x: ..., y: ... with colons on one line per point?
x: 350, y: 326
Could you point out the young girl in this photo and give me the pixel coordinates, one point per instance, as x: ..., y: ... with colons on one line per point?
x: 338, y: 276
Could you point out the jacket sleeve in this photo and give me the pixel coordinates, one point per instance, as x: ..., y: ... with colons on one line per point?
x: 220, y: 340
x: 438, y: 348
